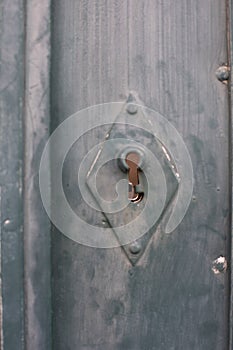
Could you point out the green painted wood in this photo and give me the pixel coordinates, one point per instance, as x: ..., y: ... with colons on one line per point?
x: 36, y: 222
x: 11, y: 145
x: 168, y: 53
x: 230, y: 51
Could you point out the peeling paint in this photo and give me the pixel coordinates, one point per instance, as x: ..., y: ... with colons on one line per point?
x: 219, y: 265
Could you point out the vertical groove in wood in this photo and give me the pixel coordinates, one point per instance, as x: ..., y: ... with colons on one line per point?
x: 36, y: 222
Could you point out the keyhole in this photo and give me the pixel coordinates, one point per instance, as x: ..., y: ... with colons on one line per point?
x: 132, y: 160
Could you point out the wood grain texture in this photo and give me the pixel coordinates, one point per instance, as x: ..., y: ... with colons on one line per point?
x: 230, y: 60
x: 36, y: 133
x: 12, y: 21
x: 168, y: 53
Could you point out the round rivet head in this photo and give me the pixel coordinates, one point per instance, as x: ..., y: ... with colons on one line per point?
x: 223, y: 73
x: 132, y: 108
x: 6, y: 223
x: 135, y: 248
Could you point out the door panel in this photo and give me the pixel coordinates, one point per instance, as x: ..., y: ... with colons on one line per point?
x: 11, y: 157
x: 167, y: 54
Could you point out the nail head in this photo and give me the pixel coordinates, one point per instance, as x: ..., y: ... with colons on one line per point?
x: 135, y: 248
x: 132, y: 108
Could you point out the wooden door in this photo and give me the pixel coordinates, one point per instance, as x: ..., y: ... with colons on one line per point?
x: 172, y: 291
x: 167, y: 53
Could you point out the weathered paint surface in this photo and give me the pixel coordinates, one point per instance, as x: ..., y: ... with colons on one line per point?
x: 11, y: 148
x: 36, y: 133
x: 168, y: 52
x: 230, y: 60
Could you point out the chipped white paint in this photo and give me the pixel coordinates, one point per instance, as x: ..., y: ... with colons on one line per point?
x: 219, y: 265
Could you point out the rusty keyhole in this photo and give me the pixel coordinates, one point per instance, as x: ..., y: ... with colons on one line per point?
x: 132, y: 160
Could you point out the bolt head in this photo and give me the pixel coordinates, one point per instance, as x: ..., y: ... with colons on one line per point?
x: 135, y: 247
x: 223, y: 73
x: 132, y: 108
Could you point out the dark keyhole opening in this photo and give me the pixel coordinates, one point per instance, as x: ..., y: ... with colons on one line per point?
x: 132, y: 160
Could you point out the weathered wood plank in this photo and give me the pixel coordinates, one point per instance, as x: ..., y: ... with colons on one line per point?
x: 36, y: 222
x: 230, y: 61
x: 168, y: 53
x: 12, y: 21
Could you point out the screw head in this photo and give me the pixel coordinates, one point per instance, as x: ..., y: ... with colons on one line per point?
x: 132, y: 108
x: 135, y: 247
x: 223, y: 73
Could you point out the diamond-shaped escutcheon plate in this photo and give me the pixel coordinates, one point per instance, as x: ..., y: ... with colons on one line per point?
x: 133, y: 223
